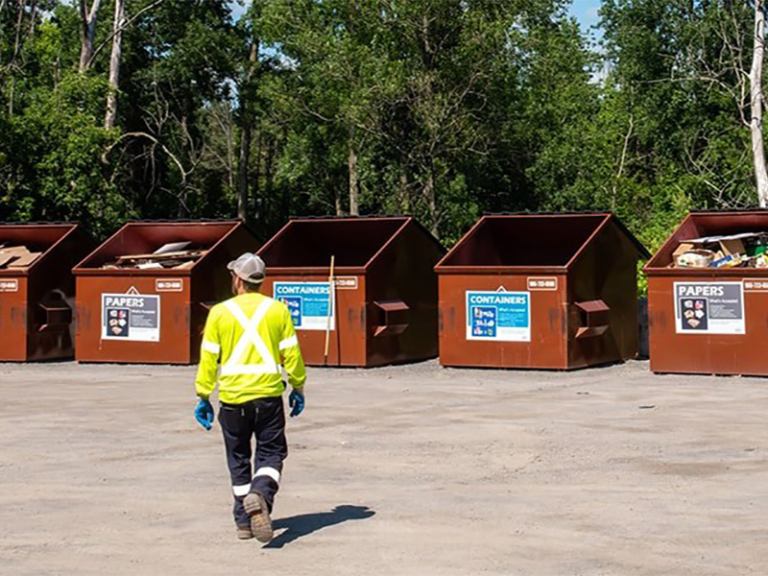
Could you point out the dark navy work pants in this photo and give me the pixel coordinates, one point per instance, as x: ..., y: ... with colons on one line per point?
x: 264, y: 420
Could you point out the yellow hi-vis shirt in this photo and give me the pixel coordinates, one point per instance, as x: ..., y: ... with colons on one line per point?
x: 249, y: 335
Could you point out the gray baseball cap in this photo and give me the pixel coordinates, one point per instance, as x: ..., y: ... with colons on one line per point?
x: 249, y: 267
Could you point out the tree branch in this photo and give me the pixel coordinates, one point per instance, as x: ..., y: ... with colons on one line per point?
x: 125, y: 25
x: 184, y: 173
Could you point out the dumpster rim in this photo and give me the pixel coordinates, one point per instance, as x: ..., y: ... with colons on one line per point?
x: 651, y: 269
x: 406, y: 220
x: 80, y: 270
x: 442, y: 267
x: 315, y: 270
x: 512, y: 270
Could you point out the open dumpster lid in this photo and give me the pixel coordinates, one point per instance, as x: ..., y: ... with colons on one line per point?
x: 307, y: 244
x: 149, y: 248
x: 24, y: 246
x: 547, y: 242
x: 699, y: 226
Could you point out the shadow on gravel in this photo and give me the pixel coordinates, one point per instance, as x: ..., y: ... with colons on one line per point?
x: 305, y: 524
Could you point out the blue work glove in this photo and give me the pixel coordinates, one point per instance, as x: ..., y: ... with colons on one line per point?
x: 204, y: 414
x: 296, y: 402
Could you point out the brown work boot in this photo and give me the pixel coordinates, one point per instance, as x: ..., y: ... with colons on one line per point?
x: 244, y: 533
x: 261, y: 523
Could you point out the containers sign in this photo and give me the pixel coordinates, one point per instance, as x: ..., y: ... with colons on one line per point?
x: 500, y: 316
x: 309, y: 303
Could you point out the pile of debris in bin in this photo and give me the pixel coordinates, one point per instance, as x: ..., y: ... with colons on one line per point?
x: 16, y: 257
x: 176, y: 255
x: 746, y: 250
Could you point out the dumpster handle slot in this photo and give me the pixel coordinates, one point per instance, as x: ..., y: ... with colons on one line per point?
x: 595, y: 318
x: 55, y: 316
x: 391, y: 317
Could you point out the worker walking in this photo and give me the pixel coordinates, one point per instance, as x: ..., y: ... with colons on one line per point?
x: 249, y: 336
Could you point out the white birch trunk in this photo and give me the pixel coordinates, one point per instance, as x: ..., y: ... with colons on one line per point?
x: 87, y: 32
x: 114, y: 65
x: 354, y: 189
x: 756, y: 101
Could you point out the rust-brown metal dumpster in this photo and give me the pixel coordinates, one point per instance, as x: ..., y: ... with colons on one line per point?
x: 385, y: 290
x: 149, y: 314
x: 555, y: 291
x: 728, y: 328
x: 37, y: 293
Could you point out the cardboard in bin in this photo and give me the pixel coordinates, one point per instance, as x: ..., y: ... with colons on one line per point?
x: 709, y: 320
x: 37, y: 289
x: 554, y: 291
x: 128, y: 312
x: 382, y: 307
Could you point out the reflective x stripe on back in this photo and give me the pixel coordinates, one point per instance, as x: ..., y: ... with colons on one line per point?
x: 234, y: 365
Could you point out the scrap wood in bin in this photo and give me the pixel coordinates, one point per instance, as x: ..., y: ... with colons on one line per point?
x: 17, y: 257
x: 171, y: 256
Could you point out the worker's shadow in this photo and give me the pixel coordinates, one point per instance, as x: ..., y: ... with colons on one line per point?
x: 304, y: 524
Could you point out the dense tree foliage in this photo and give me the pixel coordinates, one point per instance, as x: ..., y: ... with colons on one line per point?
x: 440, y: 108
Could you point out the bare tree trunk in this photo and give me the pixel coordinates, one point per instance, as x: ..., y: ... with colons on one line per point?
x: 87, y: 32
x: 242, y: 171
x: 256, y: 178
x: 756, y: 100
x: 114, y: 65
x: 622, y: 162
x: 337, y: 202
x: 405, y: 194
x: 246, y: 132
x: 429, y: 192
x: 354, y: 190
x: 32, y: 18
x: 19, y: 23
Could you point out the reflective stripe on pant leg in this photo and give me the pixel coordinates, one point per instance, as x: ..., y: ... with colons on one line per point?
x: 273, y: 473
x: 242, y: 489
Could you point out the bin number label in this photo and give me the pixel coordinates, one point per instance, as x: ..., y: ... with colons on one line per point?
x: 130, y: 317
x: 169, y: 285
x: 709, y: 308
x: 543, y: 283
x: 9, y: 285
x: 346, y: 283
x: 499, y: 316
x: 755, y: 286
x: 311, y: 304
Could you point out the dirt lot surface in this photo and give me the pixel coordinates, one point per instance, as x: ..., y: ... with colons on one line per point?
x: 405, y: 470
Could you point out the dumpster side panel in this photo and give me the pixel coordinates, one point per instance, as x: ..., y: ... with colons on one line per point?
x: 602, y: 298
x: 707, y: 353
x: 51, y: 317
x: 548, y: 322
x: 402, y: 300
x: 13, y: 318
x: 174, y: 323
x: 212, y: 282
x: 347, y: 340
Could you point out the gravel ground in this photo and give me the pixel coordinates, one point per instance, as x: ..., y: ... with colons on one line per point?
x: 405, y: 470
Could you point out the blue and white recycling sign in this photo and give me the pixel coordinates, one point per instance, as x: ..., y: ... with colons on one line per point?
x: 499, y: 316
x: 311, y: 304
